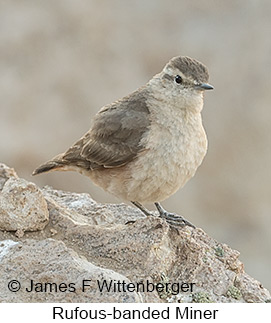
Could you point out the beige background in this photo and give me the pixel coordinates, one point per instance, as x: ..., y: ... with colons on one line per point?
x: 60, y: 61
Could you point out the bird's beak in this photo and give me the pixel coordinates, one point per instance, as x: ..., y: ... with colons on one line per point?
x: 204, y: 86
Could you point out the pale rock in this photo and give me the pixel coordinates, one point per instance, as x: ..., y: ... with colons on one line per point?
x: 57, y: 273
x: 22, y: 207
x: 5, y: 174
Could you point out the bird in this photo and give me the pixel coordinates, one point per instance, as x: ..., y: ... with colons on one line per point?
x: 145, y: 146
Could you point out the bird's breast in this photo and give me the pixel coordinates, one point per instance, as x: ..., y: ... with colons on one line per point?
x: 174, y: 148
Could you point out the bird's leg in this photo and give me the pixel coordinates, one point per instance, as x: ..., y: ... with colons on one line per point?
x: 141, y: 208
x: 172, y: 218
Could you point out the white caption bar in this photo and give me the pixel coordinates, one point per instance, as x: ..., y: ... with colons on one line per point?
x: 62, y: 312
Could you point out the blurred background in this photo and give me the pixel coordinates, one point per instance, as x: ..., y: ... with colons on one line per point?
x: 60, y: 61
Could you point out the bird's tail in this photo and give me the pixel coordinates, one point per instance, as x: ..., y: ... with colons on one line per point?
x: 54, y: 164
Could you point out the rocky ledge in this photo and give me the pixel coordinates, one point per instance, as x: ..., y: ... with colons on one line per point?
x: 59, y: 246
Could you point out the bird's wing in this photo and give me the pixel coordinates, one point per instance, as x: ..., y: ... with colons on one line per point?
x: 115, y: 137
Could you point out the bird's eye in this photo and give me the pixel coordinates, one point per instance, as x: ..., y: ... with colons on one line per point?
x: 178, y: 79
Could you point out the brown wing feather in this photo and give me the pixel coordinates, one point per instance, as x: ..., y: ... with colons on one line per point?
x: 115, y: 136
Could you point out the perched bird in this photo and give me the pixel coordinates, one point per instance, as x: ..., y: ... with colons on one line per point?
x: 145, y: 146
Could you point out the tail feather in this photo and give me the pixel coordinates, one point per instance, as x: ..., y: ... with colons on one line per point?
x: 54, y: 164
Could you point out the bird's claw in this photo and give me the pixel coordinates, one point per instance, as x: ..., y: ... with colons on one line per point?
x: 172, y: 218
x: 176, y: 220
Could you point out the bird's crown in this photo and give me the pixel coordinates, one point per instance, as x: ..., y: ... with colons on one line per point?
x: 189, y: 67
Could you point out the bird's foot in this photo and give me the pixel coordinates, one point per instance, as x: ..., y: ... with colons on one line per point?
x: 172, y: 218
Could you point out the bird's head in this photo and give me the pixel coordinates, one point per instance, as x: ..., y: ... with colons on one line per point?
x: 182, y: 83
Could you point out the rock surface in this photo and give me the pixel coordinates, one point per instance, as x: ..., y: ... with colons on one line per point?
x: 85, y: 240
x: 57, y: 274
x: 22, y: 207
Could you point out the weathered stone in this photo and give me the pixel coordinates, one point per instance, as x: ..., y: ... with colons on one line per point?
x: 22, y: 207
x: 48, y: 271
x: 5, y: 174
